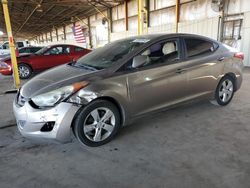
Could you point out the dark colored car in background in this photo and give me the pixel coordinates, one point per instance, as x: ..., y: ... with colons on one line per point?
x: 43, y: 59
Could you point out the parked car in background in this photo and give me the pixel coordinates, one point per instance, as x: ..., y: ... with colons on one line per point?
x: 43, y: 59
x: 29, y: 50
x: 109, y: 87
x: 5, y: 49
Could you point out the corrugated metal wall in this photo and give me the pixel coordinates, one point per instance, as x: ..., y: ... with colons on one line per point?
x: 206, y: 27
x: 195, y: 17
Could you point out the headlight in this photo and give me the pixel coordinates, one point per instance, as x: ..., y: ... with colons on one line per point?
x: 51, y: 98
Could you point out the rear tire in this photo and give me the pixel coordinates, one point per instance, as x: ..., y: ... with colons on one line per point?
x: 225, y: 91
x: 24, y: 70
x: 97, y: 123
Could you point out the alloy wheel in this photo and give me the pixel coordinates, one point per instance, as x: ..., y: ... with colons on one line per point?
x: 99, y: 124
x: 226, y: 90
x: 23, y: 71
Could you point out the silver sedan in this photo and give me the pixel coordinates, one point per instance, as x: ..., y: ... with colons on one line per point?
x: 108, y: 88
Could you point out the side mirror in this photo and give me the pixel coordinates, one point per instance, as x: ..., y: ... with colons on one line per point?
x: 139, y: 61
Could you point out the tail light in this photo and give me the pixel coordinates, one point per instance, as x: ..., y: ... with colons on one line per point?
x: 239, y: 55
x: 4, y: 65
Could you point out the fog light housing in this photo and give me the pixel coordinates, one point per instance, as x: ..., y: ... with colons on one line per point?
x: 47, y: 127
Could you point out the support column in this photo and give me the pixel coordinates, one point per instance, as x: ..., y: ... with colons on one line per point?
x: 177, y: 15
x: 110, y: 21
x: 11, y: 44
x: 57, y: 38
x: 51, y: 38
x: 64, y: 32
x: 126, y: 15
x: 143, y: 16
x: 140, y: 21
x: 148, y: 12
x: 90, y: 36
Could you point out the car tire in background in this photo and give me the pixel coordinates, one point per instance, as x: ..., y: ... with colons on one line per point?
x: 225, y: 91
x: 97, y: 123
x: 25, y: 71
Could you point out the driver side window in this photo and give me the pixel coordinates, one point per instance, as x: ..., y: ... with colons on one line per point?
x: 160, y: 53
x: 54, y: 51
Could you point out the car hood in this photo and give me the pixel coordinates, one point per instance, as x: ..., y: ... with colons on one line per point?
x: 58, y: 77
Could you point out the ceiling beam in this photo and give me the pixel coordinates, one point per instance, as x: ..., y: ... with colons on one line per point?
x: 27, y: 19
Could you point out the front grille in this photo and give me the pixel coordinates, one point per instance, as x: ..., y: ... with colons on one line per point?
x: 21, y: 100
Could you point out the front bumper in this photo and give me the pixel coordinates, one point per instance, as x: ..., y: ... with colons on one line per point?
x: 30, y: 121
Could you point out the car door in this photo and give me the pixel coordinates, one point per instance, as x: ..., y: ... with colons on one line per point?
x: 200, y: 60
x: 54, y: 56
x: 160, y: 82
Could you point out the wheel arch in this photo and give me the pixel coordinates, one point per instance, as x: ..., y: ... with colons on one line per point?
x: 110, y: 99
x: 233, y: 76
x: 22, y: 62
x: 117, y: 104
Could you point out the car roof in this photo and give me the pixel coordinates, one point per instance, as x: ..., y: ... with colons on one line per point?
x: 31, y: 47
x: 63, y: 45
x: 167, y: 35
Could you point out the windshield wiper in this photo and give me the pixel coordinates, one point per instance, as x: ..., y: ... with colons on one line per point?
x: 85, y: 66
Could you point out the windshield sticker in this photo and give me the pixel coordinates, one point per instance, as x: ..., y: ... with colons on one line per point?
x: 141, y: 40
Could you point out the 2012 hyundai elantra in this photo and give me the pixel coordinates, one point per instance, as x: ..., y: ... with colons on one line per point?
x: 106, y: 89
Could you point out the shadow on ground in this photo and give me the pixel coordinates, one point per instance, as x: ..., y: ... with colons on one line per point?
x: 196, y: 145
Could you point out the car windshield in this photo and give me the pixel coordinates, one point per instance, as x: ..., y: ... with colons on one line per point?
x: 106, y: 56
x: 41, y: 51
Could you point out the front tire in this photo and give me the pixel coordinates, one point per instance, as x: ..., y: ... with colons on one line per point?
x: 25, y: 71
x: 225, y: 91
x: 97, y: 123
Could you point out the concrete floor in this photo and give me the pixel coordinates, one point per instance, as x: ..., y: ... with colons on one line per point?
x: 197, y: 145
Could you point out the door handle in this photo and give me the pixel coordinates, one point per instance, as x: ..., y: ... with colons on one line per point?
x: 179, y: 71
x: 221, y: 58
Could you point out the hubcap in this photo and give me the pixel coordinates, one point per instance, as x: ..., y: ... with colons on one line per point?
x: 23, y: 71
x: 226, y: 91
x: 99, y: 124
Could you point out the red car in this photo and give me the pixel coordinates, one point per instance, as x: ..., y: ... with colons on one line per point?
x: 45, y: 58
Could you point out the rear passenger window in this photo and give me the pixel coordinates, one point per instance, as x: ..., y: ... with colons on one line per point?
x: 197, y: 47
x: 78, y: 49
x: 66, y: 50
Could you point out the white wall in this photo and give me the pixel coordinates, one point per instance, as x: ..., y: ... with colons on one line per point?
x: 245, y: 45
x: 196, y: 17
x: 206, y: 27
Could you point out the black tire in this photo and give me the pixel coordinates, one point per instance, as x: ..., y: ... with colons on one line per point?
x: 85, y: 115
x: 25, y: 71
x: 219, y: 99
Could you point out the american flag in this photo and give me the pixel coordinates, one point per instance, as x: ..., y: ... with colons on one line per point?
x: 78, y: 34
